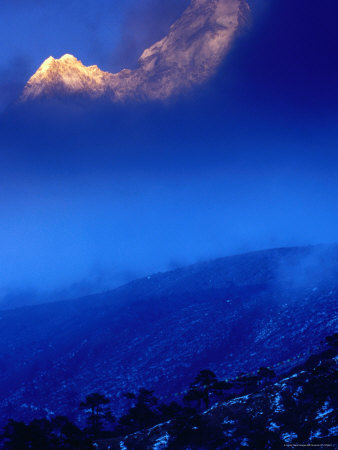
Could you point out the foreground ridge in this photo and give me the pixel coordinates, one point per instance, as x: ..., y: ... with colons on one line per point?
x: 297, y: 408
x: 262, y: 411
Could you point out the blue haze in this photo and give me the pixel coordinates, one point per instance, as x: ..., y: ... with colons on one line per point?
x: 248, y: 161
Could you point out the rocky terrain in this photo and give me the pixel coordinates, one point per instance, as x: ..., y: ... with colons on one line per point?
x: 230, y: 315
x: 190, y: 53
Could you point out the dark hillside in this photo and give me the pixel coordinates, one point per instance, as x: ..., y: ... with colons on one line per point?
x: 231, y: 315
x: 298, y: 408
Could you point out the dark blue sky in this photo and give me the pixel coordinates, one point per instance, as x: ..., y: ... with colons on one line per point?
x: 93, y: 30
x: 247, y: 161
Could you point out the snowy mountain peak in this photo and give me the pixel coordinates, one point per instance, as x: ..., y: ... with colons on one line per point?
x: 47, y: 63
x: 188, y: 55
x: 65, y: 76
x: 68, y: 57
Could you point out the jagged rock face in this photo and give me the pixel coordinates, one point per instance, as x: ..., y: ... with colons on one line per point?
x: 191, y: 52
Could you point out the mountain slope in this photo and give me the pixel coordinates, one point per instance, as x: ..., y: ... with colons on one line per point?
x: 190, y: 53
x: 299, y: 408
x: 230, y: 315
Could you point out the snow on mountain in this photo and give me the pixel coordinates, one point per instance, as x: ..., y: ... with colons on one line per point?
x: 66, y: 75
x: 191, y: 52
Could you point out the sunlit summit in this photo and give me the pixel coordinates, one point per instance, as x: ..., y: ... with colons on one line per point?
x: 190, y: 54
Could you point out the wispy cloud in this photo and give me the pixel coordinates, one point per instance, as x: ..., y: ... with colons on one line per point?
x: 12, y: 79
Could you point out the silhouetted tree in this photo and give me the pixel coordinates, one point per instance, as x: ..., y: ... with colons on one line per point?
x: 143, y: 412
x: 96, y: 406
x: 16, y: 436
x: 332, y: 340
x: 193, y: 397
x: 169, y: 411
x: 223, y: 390
x: 201, y: 388
x: 266, y: 375
x: 58, y: 433
x: 68, y: 434
x: 36, y: 435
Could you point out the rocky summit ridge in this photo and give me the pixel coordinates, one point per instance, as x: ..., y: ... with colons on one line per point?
x: 188, y: 55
